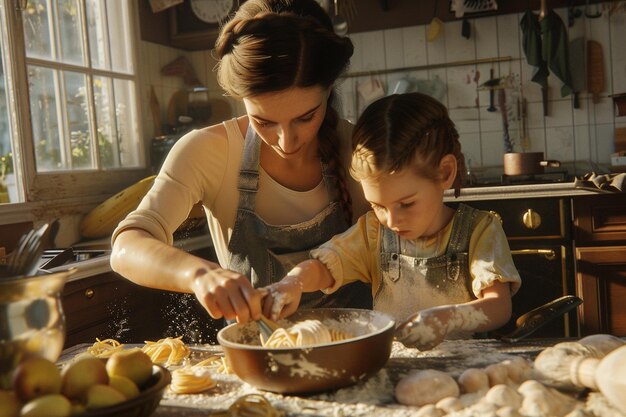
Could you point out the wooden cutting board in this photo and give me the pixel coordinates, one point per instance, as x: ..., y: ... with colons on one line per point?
x: 595, y: 70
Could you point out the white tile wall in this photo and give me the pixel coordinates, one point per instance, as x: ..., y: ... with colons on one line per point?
x: 567, y: 134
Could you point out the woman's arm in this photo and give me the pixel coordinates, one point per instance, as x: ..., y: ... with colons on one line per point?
x: 427, y: 328
x: 150, y: 262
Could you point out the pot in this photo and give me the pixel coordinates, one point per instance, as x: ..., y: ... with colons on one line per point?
x: 31, y: 320
x: 314, y: 368
x: 526, y: 163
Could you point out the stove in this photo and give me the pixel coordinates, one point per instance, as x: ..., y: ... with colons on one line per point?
x: 495, y: 178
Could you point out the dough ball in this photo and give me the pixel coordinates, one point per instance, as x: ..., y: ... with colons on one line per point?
x: 541, y: 401
x: 503, y: 396
x: 449, y: 404
x: 518, y: 368
x: 425, y: 387
x: 497, y: 373
x: 474, y: 380
x: 508, y: 412
x: 601, y: 345
x: 430, y: 410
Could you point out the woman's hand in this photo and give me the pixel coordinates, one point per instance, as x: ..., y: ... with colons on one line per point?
x: 426, y: 329
x: 282, y: 298
x: 228, y: 294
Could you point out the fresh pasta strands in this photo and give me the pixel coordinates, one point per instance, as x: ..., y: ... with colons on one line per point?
x: 191, y: 380
x: 216, y: 363
x: 304, y: 333
x: 167, y: 351
x: 104, y: 348
x: 251, y: 405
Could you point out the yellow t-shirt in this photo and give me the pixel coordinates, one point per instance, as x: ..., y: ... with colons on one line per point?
x: 355, y: 254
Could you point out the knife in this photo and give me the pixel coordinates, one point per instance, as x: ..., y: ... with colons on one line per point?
x: 535, y: 319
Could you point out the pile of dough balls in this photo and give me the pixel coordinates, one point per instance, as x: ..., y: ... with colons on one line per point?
x: 503, y: 389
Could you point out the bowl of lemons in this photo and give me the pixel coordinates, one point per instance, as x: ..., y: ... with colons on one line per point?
x: 125, y: 384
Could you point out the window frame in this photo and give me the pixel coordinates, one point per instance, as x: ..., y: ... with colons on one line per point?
x: 59, y: 191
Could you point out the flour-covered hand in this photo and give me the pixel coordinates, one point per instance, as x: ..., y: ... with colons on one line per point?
x: 282, y: 298
x: 426, y: 329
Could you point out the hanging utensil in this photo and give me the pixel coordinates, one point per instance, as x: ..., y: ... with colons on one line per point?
x: 506, y: 138
x: 577, y: 68
x: 595, y: 70
x: 340, y: 24
x: 491, y: 107
x: 435, y: 27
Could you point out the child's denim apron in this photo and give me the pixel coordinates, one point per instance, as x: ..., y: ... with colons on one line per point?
x: 409, y: 284
x: 265, y: 252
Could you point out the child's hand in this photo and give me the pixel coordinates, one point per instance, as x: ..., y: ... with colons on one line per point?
x: 282, y: 298
x: 426, y: 329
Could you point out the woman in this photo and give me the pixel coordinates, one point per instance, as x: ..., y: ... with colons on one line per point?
x: 273, y: 182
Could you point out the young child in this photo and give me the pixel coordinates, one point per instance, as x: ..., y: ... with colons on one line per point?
x: 440, y: 272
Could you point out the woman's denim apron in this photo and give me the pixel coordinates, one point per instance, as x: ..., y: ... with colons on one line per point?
x: 265, y: 252
x: 409, y: 284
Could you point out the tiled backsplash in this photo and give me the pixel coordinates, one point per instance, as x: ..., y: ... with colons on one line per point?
x: 582, y: 137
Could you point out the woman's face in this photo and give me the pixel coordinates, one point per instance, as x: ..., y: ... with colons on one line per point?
x: 407, y: 203
x: 288, y: 121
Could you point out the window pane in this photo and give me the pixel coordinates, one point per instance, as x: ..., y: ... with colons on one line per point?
x: 127, y: 144
x: 69, y: 26
x: 97, y: 36
x: 106, y: 27
x: 8, y: 184
x: 119, y: 35
x: 78, y: 121
x: 44, y: 119
x: 105, y: 119
x: 37, y: 29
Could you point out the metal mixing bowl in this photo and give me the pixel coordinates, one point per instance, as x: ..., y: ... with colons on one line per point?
x: 31, y: 320
x: 315, y: 368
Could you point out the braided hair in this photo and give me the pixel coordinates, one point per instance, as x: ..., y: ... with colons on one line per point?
x: 274, y: 45
x: 405, y: 130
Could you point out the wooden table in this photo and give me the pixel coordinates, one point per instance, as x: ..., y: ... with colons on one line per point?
x: 373, y: 396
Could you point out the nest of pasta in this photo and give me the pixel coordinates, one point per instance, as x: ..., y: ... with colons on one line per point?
x: 358, y: 346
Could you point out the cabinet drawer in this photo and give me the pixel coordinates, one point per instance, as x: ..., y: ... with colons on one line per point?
x: 600, y: 219
x: 530, y: 218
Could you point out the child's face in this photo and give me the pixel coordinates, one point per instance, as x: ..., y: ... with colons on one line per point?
x: 410, y: 205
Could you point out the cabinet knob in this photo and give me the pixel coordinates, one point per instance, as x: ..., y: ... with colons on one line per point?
x: 89, y: 293
x: 531, y: 219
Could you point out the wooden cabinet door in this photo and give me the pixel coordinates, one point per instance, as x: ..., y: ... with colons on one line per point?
x: 108, y: 306
x: 601, y: 283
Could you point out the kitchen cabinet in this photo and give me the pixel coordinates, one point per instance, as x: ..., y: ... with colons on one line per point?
x: 539, y: 235
x: 187, y: 32
x: 600, y: 249
x: 108, y: 306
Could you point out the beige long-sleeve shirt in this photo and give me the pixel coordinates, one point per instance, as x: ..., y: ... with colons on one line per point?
x: 204, y: 166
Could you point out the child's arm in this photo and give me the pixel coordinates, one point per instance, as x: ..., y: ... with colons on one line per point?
x: 427, y: 328
x: 283, y: 297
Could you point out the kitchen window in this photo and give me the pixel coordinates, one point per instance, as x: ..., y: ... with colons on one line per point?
x: 69, y: 115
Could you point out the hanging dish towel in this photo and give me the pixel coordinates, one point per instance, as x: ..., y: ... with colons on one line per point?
x: 606, y: 183
x: 545, y: 44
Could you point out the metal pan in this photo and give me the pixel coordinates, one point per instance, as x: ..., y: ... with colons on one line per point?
x: 526, y: 163
x: 315, y: 368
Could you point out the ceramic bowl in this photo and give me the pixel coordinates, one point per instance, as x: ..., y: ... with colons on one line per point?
x: 314, y: 368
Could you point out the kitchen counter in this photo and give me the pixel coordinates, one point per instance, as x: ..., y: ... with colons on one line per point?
x: 372, y: 397
x: 499, y: 192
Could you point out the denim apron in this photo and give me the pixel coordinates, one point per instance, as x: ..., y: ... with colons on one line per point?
x: 265, y: 252
x: 409, y: 283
